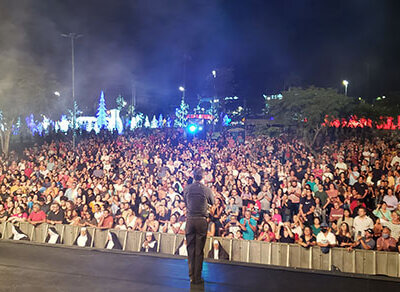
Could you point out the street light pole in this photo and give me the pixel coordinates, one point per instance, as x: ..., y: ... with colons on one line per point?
x: 182, y: 89
x: 345, y: 83
x: 214, y: 74
x: 73, y: 36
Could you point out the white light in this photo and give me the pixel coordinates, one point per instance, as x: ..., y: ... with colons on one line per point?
x: 345, y: 82
x: 57, y: 93
x: 214, y: 73
x: 181, y: 88
x: 383, y: 97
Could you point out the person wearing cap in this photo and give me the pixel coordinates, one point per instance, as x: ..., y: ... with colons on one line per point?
x: 196, y: 196
x: 325, y: 238
x: 366, y: 242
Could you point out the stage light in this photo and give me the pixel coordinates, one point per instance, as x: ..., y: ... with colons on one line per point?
x: 192, y: 129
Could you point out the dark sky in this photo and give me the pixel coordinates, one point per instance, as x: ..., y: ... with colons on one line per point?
x: 269, y: 44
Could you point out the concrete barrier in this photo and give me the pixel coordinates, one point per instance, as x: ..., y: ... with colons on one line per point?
x: 279, y: 254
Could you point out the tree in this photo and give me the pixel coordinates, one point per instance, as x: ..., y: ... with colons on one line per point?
x: 25, y: 88
x: 308, y: 109
x: 154, y: 123
x: 181, y: 114
x: 147, y: 122
x: 121, y: 103
x: 160, y: 121
x: 102, y: 113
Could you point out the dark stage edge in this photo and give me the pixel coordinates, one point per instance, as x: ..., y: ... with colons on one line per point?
x: 33, y: 267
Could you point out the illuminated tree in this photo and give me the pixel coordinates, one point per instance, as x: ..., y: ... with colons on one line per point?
x: 101, y: 114
x: 154, y: 123
x: 181, y: 114
x: 147, y: 122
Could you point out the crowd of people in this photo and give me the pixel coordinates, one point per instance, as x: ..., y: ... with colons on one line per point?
x: 266, y: 189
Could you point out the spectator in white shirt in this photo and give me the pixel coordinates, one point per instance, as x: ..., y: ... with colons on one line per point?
x: 326, y: 239
x: 361, y: 223
x: 341, y: 166
x: 391, y: 200
x: 395, y: 159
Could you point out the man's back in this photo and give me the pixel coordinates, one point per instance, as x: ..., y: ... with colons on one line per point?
x: 197, y: 196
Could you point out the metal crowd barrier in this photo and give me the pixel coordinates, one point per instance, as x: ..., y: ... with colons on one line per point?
x: 278, y: 254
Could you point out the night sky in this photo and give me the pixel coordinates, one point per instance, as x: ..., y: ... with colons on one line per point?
x: 269, y: 45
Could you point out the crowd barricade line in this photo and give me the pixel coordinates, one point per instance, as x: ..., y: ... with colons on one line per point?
x: 93, y: 235
x: 279, y: 254
x: 3, y: 228
x: 125, y: 239
x: 230, y: 249
x: 159, y: 242
x: 294, y: 255
x: 337, y: 257
x: 166, y: 243
x: 140, y: 242
x: 310, y: 256
x: 353, y: 261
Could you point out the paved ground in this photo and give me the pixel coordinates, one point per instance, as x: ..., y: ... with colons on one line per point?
x: 27, y: 267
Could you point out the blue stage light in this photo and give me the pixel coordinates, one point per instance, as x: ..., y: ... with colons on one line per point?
x: 192, y: 129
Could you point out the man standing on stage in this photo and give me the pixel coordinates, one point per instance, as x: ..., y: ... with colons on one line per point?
x: 197, y: 196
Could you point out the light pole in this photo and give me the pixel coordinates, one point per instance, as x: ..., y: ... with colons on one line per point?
x: 345, y: 83
x: 73, y: 36
x: 182, y: 89
x: 213, y: 107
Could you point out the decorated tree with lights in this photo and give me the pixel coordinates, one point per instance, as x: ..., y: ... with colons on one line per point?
x: 226, y: 120
x: 101, y: 114
x: 160, y: 121
x: 169, y: 122
x: 154, y: 123
x: 181, y: 114
x: 121, y: 102
x: 147, y: 122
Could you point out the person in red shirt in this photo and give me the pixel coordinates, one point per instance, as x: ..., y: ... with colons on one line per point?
x: 106, y: 220
x: 37, y: 216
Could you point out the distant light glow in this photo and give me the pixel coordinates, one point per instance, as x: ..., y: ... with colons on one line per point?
x: 214, y: 73
x: 192, y: 129
x: 345, y: 82
x: 57, y: 93
x: 181, y: 88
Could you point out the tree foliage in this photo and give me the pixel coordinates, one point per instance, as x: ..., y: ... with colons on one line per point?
x: 25, y: 88
x: 307, y: 110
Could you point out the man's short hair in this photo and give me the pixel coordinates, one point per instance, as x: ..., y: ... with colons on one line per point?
x: 198, y: 174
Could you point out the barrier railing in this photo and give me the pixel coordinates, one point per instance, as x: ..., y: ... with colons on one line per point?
x: 278, y: 254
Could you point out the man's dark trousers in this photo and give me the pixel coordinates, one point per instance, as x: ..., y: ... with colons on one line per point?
x: 196, y: 235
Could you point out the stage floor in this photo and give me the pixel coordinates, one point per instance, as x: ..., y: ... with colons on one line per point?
x: 29, y: 267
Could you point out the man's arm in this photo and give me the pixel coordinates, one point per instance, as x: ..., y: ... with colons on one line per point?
x: 253, y: 227
x: 210, y: 197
